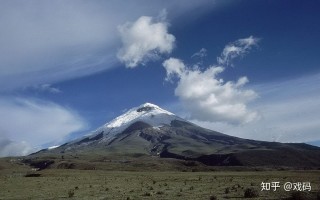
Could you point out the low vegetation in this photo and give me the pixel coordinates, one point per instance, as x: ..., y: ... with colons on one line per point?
x: 18, y: 181
x: 251, y: 193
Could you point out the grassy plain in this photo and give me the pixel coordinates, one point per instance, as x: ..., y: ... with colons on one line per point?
x: 112, y: 184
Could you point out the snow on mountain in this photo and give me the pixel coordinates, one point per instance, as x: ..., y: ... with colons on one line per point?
x: 147, y: 113
x: 52, y: 147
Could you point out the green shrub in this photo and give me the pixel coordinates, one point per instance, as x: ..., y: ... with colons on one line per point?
x: 160, y: 192
x: 147, y: 194
x: 213, y: 197
x: 251, y: 193
x: 70, y: 193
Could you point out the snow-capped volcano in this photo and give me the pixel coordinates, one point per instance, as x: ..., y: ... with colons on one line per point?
x: 148, y: 130
x: 148, y: 113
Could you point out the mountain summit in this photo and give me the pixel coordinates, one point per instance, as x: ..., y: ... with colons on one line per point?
x: 147, y: 113
x: 148, y: 130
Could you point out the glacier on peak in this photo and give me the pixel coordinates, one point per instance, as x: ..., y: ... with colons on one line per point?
x: 148, y: 113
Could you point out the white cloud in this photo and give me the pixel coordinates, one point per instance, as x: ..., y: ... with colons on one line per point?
x: 144, y: 40
x: 209, y: 98
x: 174, y: 67
x: 11, y: 148
x: 201, y: 53
x: 28, y: 122
x: 236, y: 49
x: 46, y: 88
x: 51, y: 41
x: 289, y: 113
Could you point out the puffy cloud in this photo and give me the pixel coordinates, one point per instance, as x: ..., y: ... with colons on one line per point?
x: 289, y: 112
x: 209, y: 98
x: 173, y: 67
x: 236, y: 49
x: 28, y: 122
x: 144, y: 40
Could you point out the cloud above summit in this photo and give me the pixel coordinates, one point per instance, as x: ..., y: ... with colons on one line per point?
x: 208, y: 97
x: 289, y: 112
x: 144, y: 40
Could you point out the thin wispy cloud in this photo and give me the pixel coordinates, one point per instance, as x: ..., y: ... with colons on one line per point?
x: 144, y: 40
x: 200, y: 54
x: 38, y: 50
x: 236, y: 49
x: 12, y: 148
x: 30, y: 122
x: 52, y: 41
x: 46, y: 88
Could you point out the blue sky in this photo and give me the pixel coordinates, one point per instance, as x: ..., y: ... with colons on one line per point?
x: 245, y: 68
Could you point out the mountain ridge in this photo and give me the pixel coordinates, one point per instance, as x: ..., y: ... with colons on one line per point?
x: 149, y: 130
